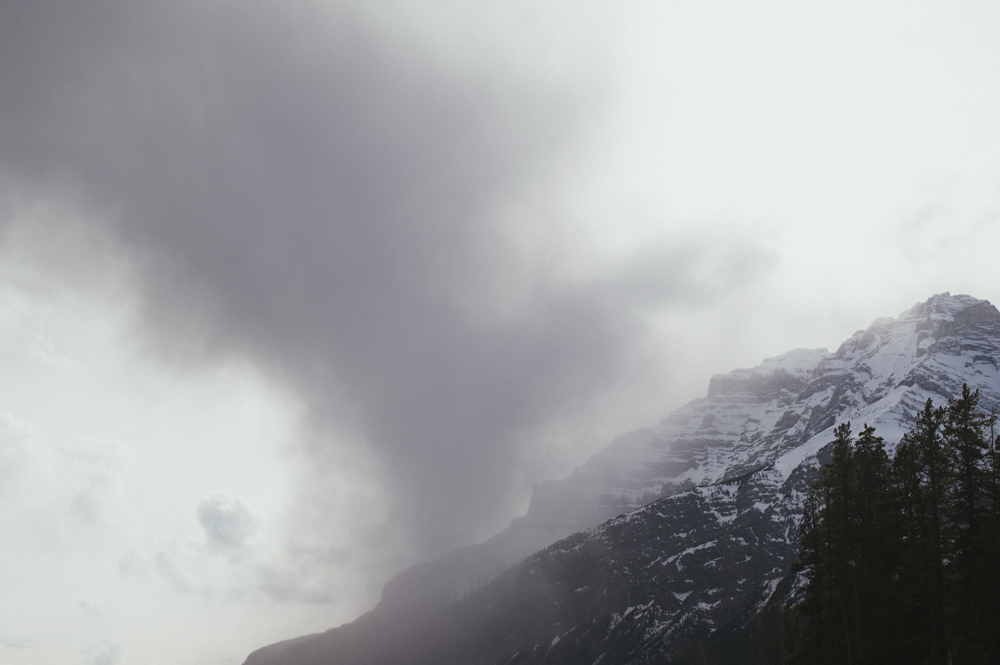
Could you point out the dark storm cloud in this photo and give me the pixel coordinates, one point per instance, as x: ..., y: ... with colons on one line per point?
x: 296, y: 186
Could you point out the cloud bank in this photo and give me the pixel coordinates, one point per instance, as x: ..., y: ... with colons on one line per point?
x: 294, y: 185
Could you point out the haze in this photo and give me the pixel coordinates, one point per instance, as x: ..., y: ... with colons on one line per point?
x: 294, y: 295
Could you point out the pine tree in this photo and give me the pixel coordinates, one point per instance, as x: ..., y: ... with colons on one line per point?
x: 922, y: 472
x: 965, y: 434
x: 991, y: 580
x: 874, y: 542
x: 900, y: 558
x: 829, y: 553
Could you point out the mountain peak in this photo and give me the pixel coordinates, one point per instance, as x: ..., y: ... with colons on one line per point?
x: 946, y: 307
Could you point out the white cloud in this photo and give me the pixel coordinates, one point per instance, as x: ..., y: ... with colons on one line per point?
x: 92, y: 474
x: 25, y: 466
x: 13, y: 637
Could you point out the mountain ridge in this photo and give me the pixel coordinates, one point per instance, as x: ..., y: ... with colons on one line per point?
x: 704, y: 558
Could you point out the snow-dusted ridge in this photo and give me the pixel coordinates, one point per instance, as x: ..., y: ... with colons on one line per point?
x: 709, y: 504
x: 750, y: 446
x: 778, y: 413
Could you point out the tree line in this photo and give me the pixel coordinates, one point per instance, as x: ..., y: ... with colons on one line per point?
x: 900, y: 558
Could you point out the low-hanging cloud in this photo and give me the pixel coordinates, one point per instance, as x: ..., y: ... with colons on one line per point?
x: 297, y: 186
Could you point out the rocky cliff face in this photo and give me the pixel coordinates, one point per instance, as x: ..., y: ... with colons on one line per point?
x: 722, y: 480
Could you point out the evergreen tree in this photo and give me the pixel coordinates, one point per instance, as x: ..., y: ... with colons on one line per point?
x: 900, y: 559
x: 874, y: 554
x: 991, y: 572
x: 922, y: 475
x: 965, y: 434
x: 839, y: 527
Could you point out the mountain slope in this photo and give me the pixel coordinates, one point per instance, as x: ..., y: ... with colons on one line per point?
x: 702, y: 561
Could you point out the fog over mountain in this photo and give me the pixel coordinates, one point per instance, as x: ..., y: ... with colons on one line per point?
x: 296, y: 295
x: 686, y: 576
x: 331, y: 203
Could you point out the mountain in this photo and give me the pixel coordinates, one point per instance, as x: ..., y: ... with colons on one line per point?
x: 722, y: 479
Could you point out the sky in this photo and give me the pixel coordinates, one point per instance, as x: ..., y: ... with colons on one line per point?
x: 295, y: 295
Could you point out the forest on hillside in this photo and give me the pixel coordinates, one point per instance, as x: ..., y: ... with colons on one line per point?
x: 899, y: 557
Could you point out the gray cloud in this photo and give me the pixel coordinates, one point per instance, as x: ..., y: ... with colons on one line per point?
x: 227, y: 521
x: 301, y: 188
x: 106, y: 652
x: 89, y: 610
x: 283, y: 587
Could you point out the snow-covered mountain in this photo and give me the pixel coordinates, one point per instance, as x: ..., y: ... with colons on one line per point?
x: 713, y: 497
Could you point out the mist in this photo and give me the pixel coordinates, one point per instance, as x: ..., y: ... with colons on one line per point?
x: 353, y: 277
x: 296, y: 186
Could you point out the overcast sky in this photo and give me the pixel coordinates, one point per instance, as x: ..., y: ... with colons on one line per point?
x: 296, y: 294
